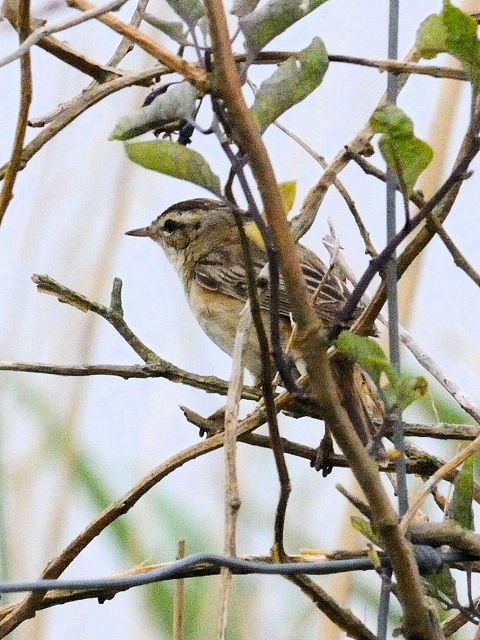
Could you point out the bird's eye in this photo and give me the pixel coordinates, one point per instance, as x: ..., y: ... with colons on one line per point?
x: 170, y: 226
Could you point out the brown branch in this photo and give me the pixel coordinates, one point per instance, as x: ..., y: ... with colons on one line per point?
x: 418, y: 622
x: 41, y: 33
x: 369, y: 248
x: 394, y: 66
x: 426, y: 233
x: 212, y: 384
x: 189, y: 71
x: 323, y: 601
x: 179, y: 598
x: 457, y: 620
x: 342, y: 618
x: 359, y: 145
x: 23, y: 20
x: 27, y: 608
x: 125, y: 45
x: 448, y: 533
x: 231, y: 494
x: 377, y: 264
x: 75, y: 107
x: 159, y: 369
x: 444, y: 471
x: 370, y: 169
x: 266, y: 368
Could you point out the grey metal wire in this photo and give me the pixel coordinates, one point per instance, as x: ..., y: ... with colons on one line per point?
x: 429, y: 561
x: 393, y: 334
x: 391, y: 272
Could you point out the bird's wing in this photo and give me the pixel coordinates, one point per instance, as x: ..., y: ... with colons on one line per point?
x: 223, y: 270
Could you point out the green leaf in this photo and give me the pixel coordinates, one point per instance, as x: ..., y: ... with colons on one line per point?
x: 368, y: 354
x: 174, y: 106
x: 452, y: 31
x: 406, y: 155
x: 273, y: 18
x: 405, y: 390
x: 442, y: 582
x: 365, y: 528
x: 189, y: 10
x: 460, y: 506
x: 293, y: 81
x: 243, y: 7
x: 173, y: 30
x: 174, y: 160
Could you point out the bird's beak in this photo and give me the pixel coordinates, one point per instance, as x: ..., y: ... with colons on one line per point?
x: 144, y: 232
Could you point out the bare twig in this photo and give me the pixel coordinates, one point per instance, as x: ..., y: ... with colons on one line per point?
x: 426, y: 233
x: 456, y: 621
x: 369, y: 248
x: 189, y: 71
x: 448, y: 533
x: 37, y: 35
x: 125, y: 45
x: 159, y: 369
x: 359, y: 145
x: 457, y: 175
x: 394, y: 66
x: 6, y: 193
x: 212, y: 384
x: 440, y: 474
x: 61, y: 50
x: 343, y: 618
x: 27, y: 608
x: 449, y: 385
x: 78, y: 105
x: 371, y: 169
x: 232, y: 497
x: 455, y: 252
x: 417, y: 619
x: 267, y: 388
x: 179, y: 598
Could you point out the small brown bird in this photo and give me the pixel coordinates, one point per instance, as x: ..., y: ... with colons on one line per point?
x: 201, y: 239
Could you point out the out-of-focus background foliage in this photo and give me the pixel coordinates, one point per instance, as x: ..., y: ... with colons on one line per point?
x: 71, y: 445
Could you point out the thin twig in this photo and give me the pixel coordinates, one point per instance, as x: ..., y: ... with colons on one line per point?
x: 360, y: 145
x: 417, y: 619
x: 378, y: 263
x: 370, y: 169
x: 267, y: 388
x: 189, y: 71
x: 440, y: 474
x: 212, y: 384
x: 159, y: 369
x: 27, y: 608
x: 433, y: 368
x: 458, y: 257
x: 394, y: 66
x: 369, y: 248
x: 75, y: 107
x: 22, y: 120
x: 426, y: 233
x: 232, y: 497
x: 179, y: 598
x: 63, y: 52
x: 343, y: 618
x: 46, y: 30
x: 125, y: 45
x: 456, y: 621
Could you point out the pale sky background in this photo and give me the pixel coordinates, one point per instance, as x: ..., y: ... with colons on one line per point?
x: 72, y: 205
